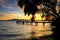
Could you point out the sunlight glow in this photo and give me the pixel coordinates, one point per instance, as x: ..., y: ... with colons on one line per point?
x: 28, y: 17
x: 10, y: 16
x: 38, y: 16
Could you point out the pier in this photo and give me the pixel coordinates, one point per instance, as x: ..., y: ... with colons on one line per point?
x: 38, y: 28
x: 28, y: 22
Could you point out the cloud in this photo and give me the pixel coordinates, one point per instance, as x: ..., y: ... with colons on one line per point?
x: 10, y: 6
x: 4, y: 4
x: 1, y: 15
x: 2, y: 1
x: 5, y: 16
x: 7, y: 4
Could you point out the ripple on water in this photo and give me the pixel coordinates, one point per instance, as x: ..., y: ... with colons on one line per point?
x: 11, y: 30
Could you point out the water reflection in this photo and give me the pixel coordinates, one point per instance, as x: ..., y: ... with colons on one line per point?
x: 9, y: 30
x: 42, y: 31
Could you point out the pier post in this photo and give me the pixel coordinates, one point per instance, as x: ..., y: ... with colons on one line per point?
x: 36, y: 23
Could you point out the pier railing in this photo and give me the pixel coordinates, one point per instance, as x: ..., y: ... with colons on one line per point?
x: 34, y: 22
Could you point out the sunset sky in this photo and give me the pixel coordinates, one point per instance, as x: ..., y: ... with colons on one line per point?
x: 10, y: 10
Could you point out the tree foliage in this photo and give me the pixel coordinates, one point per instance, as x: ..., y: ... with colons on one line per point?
x: 30, y: 7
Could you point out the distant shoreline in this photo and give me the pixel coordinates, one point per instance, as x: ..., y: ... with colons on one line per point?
x: 11, y: 20
x: 23, y: 20
x: 7, y: 20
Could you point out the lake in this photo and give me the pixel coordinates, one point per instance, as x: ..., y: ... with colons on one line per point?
x: 9, y: 30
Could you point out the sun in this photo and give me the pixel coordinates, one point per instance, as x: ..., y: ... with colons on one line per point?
x: 38, y: 16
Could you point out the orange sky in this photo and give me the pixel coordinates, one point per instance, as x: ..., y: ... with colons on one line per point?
x: 20, y: 16
x: 10, y: 16
x: 17, y: 16
x: 14, y: 16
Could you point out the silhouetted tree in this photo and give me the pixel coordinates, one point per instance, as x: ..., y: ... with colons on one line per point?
x: 30, y: 7
x: 56, y: 31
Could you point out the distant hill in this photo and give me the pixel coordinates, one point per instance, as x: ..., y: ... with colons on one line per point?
x: 11, y: 20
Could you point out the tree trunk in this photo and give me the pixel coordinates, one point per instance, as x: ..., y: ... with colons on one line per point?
x: 32, y: 19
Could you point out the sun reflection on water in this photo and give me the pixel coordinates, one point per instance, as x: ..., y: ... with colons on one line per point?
x: 42, y: 31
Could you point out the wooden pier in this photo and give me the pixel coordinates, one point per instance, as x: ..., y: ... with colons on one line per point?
x: 32, y: 23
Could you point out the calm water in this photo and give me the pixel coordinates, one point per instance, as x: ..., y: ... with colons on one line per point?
x: 9, y: 30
